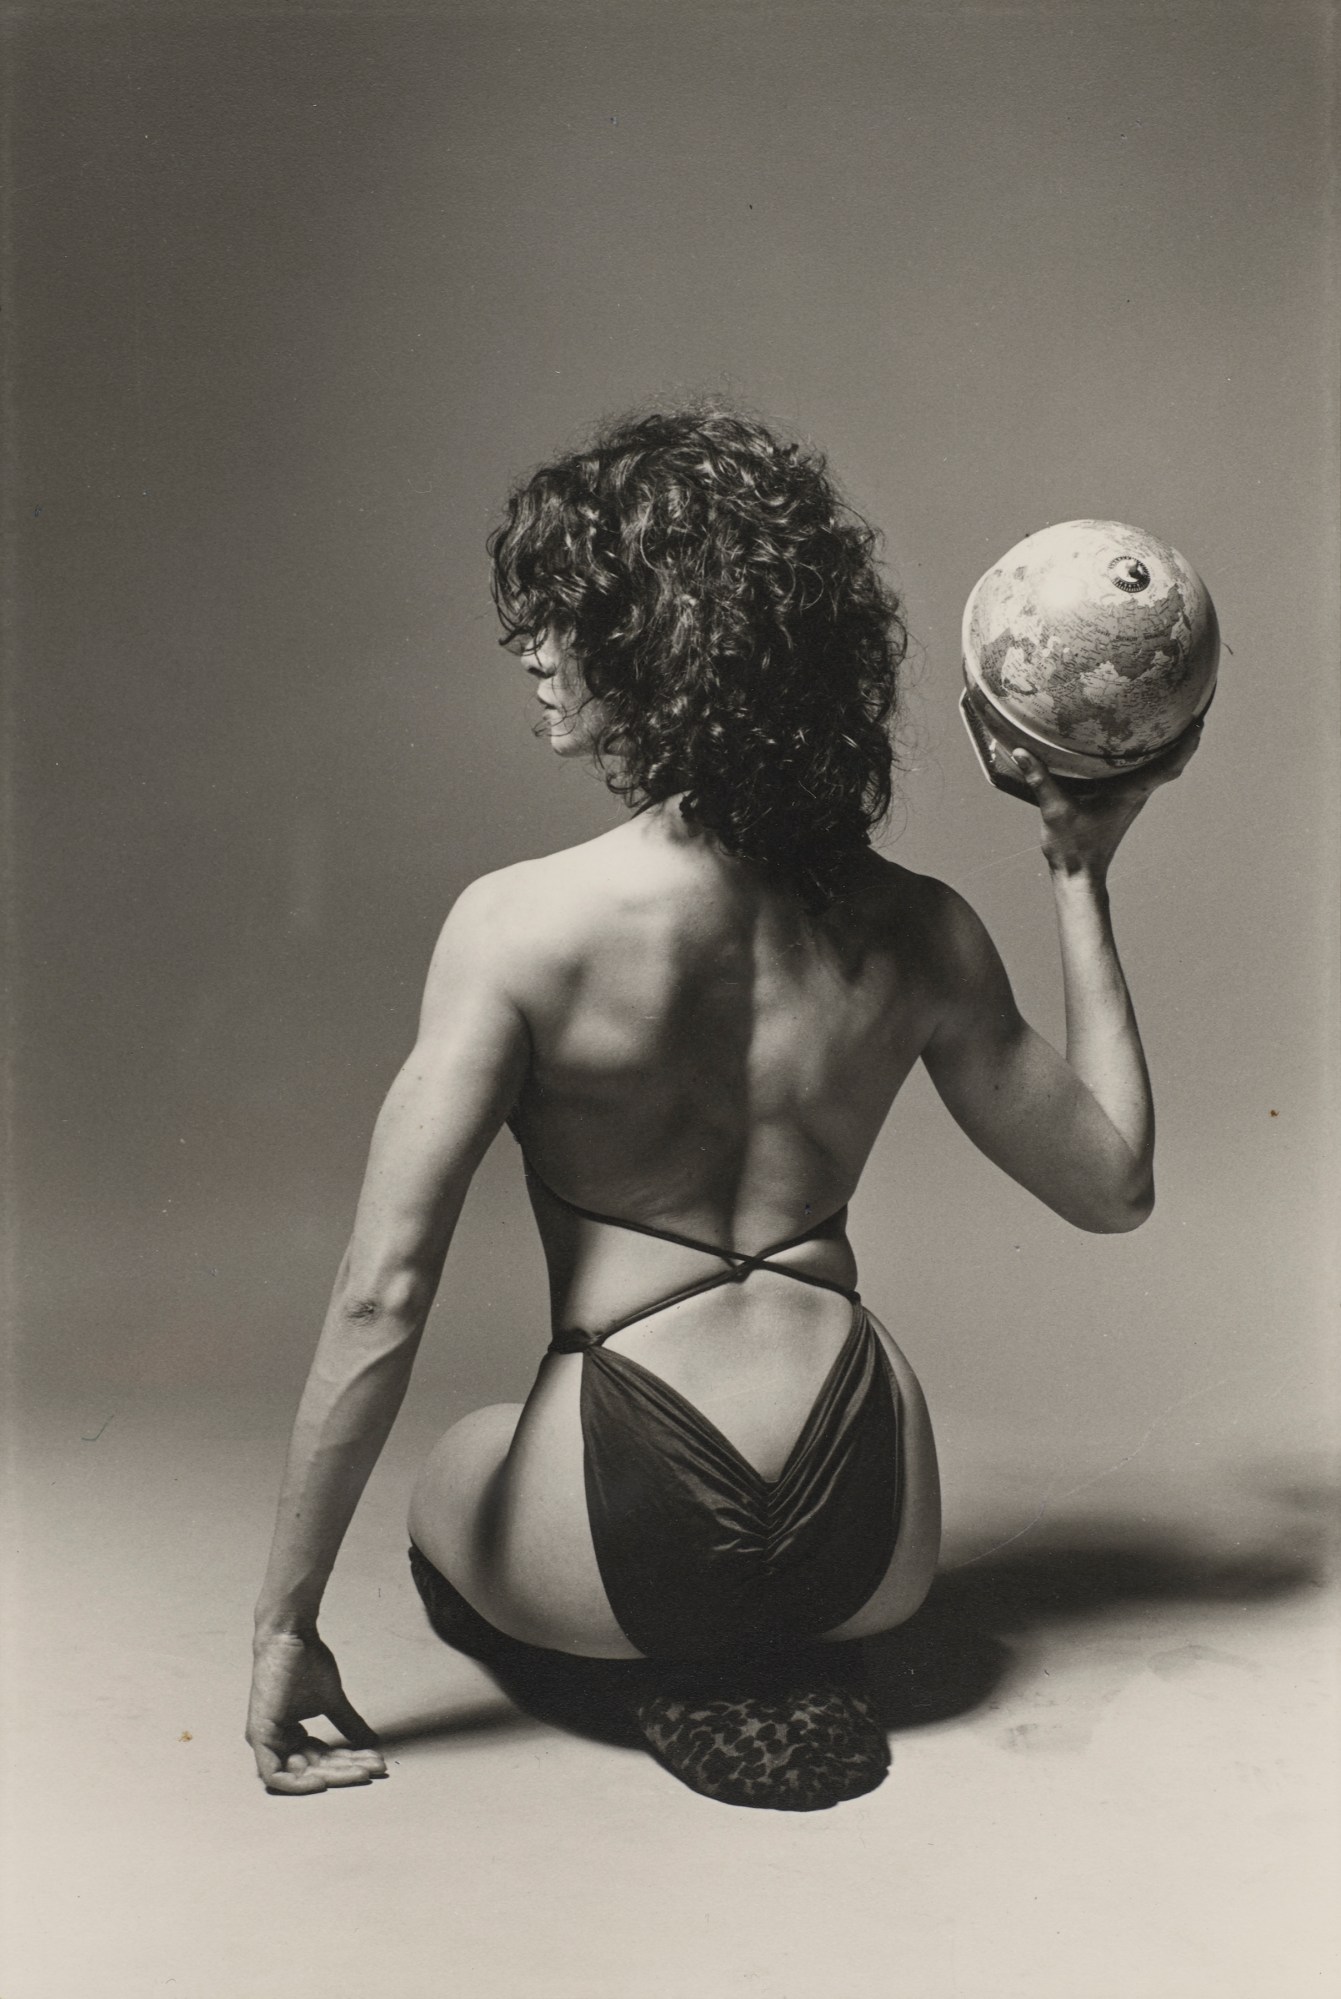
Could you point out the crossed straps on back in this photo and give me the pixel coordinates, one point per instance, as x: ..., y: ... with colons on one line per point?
x: 740, y: 1264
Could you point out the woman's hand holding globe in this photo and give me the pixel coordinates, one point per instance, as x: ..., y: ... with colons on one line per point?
x: 1090, y: 658
x: 1083, y: 824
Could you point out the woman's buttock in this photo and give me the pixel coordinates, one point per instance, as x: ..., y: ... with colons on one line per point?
x: 504, y: 1506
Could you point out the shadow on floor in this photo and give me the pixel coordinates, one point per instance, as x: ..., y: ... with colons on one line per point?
x: 581, y: 1696
x: 983, y: 1622
x: 992, y: 1616
x: 498, y: 1717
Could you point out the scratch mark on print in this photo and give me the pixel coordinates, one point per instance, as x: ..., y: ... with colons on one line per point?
x: 1156, y: 1421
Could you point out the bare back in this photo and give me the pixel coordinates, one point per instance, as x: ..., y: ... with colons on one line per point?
x: 706, y: 1055
x: 707, y: 1058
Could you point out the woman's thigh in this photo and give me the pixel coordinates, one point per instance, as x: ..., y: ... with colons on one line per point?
x: 500, y: 1509
x: 459, y: 1484
x: 917, y: 1544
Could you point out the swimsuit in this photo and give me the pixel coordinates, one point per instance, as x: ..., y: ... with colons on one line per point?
x: 697, y: 1551
x: 718, y: 1575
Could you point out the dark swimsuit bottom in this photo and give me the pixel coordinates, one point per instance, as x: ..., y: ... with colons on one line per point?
x: 726, y: 1575
x: 697, y: 1551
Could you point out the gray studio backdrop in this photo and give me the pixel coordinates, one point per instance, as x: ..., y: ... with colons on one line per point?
x: 299, y: 290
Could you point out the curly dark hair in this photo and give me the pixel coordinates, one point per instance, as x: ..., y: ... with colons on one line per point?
x: 726, y: 612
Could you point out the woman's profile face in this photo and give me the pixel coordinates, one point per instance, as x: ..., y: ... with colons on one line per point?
x: 570, y: 718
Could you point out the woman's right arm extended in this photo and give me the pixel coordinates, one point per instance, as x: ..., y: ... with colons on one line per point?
x: 442, y: 1112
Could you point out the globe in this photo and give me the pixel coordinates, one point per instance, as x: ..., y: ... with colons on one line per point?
x: 1092, y: 645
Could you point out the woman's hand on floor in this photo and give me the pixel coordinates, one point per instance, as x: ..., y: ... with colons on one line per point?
x: 292, y: 1678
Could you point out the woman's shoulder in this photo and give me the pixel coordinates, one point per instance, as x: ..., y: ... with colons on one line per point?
x: 622, y: 890
x: 940, y: 931
x: 920, y: 923
x: 887, y: 893
x: 558, y: 883
x: 547, y: 909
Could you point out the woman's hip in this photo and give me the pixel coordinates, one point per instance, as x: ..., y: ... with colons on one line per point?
x: 504, y: 1508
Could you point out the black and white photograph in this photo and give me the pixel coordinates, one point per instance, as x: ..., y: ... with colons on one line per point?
x: 670, y: 787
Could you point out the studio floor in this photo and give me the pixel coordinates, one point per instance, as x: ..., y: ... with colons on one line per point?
x: 1114, y: 1734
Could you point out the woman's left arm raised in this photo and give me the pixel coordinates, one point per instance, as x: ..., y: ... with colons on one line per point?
x: 441, y: 1114
x: 1078, y: 1130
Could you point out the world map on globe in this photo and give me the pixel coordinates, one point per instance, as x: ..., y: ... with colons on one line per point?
x: 1095, y: 636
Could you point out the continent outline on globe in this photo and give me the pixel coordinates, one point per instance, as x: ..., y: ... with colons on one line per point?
x: 1096, y: 641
